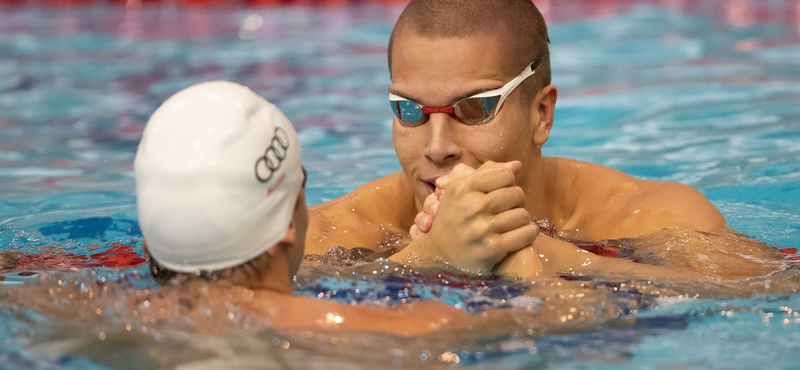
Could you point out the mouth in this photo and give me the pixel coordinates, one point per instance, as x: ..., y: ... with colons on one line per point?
x: 430, y: 185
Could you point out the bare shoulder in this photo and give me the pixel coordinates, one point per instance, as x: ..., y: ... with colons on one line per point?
x: 675, y: 205
x: 363, y: 217
x: 611, y: 204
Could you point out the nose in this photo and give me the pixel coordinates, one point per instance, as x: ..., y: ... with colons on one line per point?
x: 443, y: 148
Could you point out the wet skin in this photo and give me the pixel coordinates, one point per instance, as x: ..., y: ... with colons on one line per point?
x: 579, y: 198
x: 263, y: 289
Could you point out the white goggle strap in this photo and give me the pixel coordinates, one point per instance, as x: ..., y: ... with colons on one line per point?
x: 506, y: 90
x: 393, y: 97
x: 503, y: 91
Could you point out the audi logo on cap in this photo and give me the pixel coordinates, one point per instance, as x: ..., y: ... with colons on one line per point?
x: 273, y: 156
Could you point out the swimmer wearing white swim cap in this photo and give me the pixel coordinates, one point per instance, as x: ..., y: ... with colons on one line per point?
x: 218, y: 180
x: 221, y: 199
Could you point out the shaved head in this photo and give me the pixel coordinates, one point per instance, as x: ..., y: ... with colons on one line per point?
x: 517, y: 23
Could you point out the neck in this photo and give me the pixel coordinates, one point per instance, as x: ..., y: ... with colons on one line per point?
x: 278, y: 277
x: 537, y: 183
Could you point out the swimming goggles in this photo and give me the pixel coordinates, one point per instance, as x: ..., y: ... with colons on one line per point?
x: 474, y: 110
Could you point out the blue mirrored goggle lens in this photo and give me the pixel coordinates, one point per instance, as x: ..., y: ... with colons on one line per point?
x: 471, y: 111
x: 407, y: 111
x: 489, y: 103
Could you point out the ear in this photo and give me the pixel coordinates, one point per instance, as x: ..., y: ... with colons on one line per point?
x: 291, y: 235
x: 545, y: 105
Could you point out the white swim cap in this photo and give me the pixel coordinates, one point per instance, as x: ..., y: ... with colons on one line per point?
x: 217, y: 177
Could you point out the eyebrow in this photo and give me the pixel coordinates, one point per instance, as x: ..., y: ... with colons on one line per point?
x: 453, y: 101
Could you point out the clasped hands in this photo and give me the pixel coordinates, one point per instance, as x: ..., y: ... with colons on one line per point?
x: 476, y: 220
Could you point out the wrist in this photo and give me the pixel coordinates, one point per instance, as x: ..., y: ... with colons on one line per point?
x: 416, y: 253
x: 561, y: 256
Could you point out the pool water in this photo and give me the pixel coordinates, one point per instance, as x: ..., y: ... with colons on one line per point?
x: 701, y: 92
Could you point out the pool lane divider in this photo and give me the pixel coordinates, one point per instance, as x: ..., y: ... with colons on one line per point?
x: 116, y: 254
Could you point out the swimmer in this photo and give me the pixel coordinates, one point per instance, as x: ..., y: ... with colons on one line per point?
x: 470, y: 89
x: 221, y: 199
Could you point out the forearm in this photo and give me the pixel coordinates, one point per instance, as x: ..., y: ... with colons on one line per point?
x: 549, y: 256
x: 409, y: 319
x: 571, y: 259
x: 415, y: 254
x: 431, y: 316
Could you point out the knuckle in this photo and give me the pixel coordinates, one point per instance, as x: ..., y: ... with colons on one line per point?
x: 519, y: 193
x: 533, y: 232
x: 521, y: 215
x: 483, y: 227
x: 476, y: 206
x: 507, y: 174
x: 460, y: 187
x: 460, y: 169
x: 492, y: 243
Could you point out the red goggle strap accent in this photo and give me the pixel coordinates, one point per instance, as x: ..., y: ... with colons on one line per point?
x: 448, y: 110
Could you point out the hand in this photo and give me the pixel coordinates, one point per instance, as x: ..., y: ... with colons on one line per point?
x: 424, y: 219
x: 479, y: 217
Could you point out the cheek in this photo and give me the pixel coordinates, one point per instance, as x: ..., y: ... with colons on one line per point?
x: 503, y: 141
x: 408, y: 143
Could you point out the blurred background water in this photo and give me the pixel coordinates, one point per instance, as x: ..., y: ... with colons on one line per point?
x: 701, y: 92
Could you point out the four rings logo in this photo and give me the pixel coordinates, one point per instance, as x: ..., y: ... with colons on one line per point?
x: 273, y: 156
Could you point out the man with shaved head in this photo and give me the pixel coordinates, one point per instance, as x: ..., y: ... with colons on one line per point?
x: 473, y: 105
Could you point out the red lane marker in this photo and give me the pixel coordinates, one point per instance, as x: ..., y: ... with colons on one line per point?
x: 118, y: 255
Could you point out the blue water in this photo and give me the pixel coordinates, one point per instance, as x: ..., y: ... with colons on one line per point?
x: 705, y: 93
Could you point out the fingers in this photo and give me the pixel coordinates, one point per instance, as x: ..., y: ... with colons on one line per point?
x: 414, y: 232
x: 489, y: 179
x: 510, y: 220
x: 423, y: 222
x: 424, y: 219
x: 515, y: 166
x: 459, y: 171
x: 431, y: 205
x: 504, y: 199
x: 514, y: 240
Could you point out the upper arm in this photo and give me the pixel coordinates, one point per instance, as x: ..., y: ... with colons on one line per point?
x: 362, y: 218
